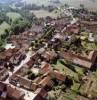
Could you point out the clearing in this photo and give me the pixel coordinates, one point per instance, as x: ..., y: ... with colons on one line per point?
x: 4, y: 26
x: 13, y: 15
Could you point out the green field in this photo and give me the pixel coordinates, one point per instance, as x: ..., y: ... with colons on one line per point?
x: 64, y: 69
x: 44, y: 13
x: 4, y: 26
x: 72, y: 70
x: 13, y: 15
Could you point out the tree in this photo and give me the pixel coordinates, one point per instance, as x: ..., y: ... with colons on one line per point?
x: 73, y: 38
x: 19, y: 26
x: 3, y: 17
x: 95, y: 38
x: 66, y: 6
x: 28, y: 16
x: 1, y: 43
x: 31, y: 76
x: 82, y: 6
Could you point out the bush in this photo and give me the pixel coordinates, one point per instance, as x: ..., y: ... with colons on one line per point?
x: 29, y: 72
x: 31, y: 76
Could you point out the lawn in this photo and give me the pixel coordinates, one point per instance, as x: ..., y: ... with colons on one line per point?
x: 13, y: 15
x: 4, y: 26
x: 69, y: 95
x: 69, y: 69
x: 89, y: 45
x: 66, y: 70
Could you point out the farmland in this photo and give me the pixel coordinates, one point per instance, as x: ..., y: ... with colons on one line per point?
x: 13, y: 15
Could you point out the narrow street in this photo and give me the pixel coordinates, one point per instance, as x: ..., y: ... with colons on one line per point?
x: 28, y: 55
x: 29, y: 95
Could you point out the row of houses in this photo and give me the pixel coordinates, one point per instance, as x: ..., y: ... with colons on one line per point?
x: 23, y: 40
x: 40, y: 81
x: 37, y: 74
x: 8, y: 92
x: 90, y: 25
x: 86, y: 62
x: 9, y: 59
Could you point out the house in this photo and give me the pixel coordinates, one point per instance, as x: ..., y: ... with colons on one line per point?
x: 93, y: 57
x: 49, y: 55
x: 22, y: 70
x: 41, y: 94
x: 56, y: 74
x: 75, y: 28
x: 59, y: 23
x: 22, y: 40
x: 17, y: 57
x: 76, y: 59
x: 18, y: 76
x: 35, y: 56
x: 6, y: 91
x: 30, y: 63
x: 90, y: 25
x: 58, y: 36
x: 81, y: 98
x: 45, y: 67
x: 15, y: 94
x: 7, y: 54
x: 37, y: 28
x: 23, y: 82
x: 45, y: 81
x: 91, y: 37
x: 28, y: 34
x: 3, y: 74
x: 3, y: 93
x: 89, y: 87
x: 89, y: 22
x: 41, y: 50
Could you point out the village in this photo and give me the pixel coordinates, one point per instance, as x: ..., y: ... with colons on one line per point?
x: 54, y: 60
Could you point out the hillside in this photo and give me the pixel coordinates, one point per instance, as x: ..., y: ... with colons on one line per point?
x: 13, y: 15
x: 4, y: 26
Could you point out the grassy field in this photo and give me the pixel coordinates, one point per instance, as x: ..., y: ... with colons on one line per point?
x: 13, y: 15
x: 44, y: 13
x: 4, y: 26
x: 90, y: 4
x: 65, y: 70
x: 89, y: 45
x: 69, y: 69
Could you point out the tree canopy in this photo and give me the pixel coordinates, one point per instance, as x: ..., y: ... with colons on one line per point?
x: 19, y: 25
x: 3, y: 17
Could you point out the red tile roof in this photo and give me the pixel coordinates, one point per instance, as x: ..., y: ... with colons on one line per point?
x: 79, y: 60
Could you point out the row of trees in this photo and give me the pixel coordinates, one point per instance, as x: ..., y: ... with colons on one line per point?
x: 3, y: 17
x: 36, y: 7
x: 19, y: 25
x: 3, y: 37
x: 16, y: 26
